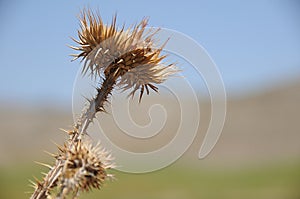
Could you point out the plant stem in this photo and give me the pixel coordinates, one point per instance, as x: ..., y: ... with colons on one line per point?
x: 95, y: 105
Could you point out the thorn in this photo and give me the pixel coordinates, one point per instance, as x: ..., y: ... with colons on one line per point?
x: 141, y: 93
x: 106, y: 51
x: 120, y: 61
x: 98, y: 51
x: 147, y: 89
x: 32, y: 183
x: 58, y: 146
x: 104, y: 111
x: 75, y: 58
x: 35, y: 178
x: 38, y: 183
x: 86, y: 98
x: 51, y: 154
x: 73, y: 47
x: 153, y: 87
x: 69, y: 132
x: 43, y: 164
x: 64, y: 130
x: 32, y: 186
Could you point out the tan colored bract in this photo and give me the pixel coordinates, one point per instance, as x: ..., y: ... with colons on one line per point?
x: 85, y: 166
x: 133, y: 52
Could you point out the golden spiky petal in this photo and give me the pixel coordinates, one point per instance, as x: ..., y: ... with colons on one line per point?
x: 85, y: 167
x: 103, y: 48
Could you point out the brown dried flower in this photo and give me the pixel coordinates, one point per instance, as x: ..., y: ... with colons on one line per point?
x: 132, y: 53
x: 84, y: 167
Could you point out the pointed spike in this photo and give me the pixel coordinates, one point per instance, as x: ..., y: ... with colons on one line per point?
x: 43, y: 164
x: 98, y: 51
x: 58, y: 146
x: 86, y: 98
x: 147, y: 89
x: 64, y: 130
x: 51, y: 154
x: 32, y: 183
x: 141, y: 93
x: 37, y: 182
x: 153, y: 87
x: 74, y: 47
x: 33, y: 186
x: 104, y: 111
x: 75, y: 56
x: 36, y: 179
x: 106, y: 51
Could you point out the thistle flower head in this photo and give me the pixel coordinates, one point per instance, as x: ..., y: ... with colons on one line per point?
x: 131, y: 55
x: 85, y: 167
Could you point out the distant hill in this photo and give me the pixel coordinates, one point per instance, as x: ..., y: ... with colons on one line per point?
x: 259, y: 128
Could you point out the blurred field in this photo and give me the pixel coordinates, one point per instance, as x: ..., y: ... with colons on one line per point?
x: 176, y: 182
x: 257, y: 156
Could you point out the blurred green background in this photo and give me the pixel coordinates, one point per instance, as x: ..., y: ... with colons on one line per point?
x: 270, y: 181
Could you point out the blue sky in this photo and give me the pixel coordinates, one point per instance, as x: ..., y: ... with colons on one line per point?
x: 255, y: 44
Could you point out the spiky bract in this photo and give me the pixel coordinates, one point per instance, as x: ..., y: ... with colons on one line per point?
x: 130, y: 54
x: 84, y: 167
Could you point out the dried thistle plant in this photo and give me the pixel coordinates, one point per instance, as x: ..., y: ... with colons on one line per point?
x: 129, y: 59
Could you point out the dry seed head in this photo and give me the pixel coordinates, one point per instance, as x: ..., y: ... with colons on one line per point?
x: 85, y: 167
x: 130, y: 54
